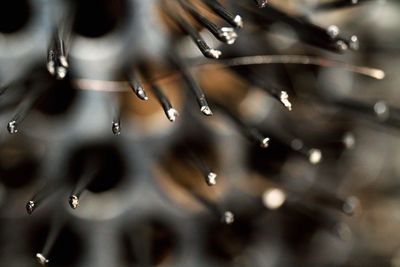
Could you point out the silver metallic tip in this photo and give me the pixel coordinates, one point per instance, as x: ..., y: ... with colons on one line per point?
x: 211, y: 179
x: 228, y: 34
x: 284, y: 97
x: 350, y: 205
x: 116, y: 128
x: 213, y: 53
x: 57, y: 68
x: 228, y: 217
x: 142, y: 94
x: 74, y: 201
x: 333, y: 31
x: 239, y: 21
x: 349, y: 140
x: 30, y: 207
x: 381, y: 110
x: 12, y: 127
x: 354, y: 43
x: 172, y: 114
x: 206, y: 110
x: 315, y: 156
x: 51, y: 67
x: 61, y: 73
x: 341, y: 45
x: 41, y: 259
x: 262, y: 3
x: 63, y: 62
x: 265, y: 142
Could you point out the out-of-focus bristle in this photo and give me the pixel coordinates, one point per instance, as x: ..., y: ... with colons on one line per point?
x: 273, y: 198
x: 169, y: 111
x: 228, y: 217
x: 315, y: 156
x: 211, y: 179
x: 137, y: 88
x: 261, y: 3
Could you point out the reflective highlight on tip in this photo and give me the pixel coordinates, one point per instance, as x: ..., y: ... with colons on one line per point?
x: 273, y: 198
x: 12, y: 127
x: 206, y: 110
x: 315, y: 156
x: 212, y: 53
x: 264, y: 142
x: 172, y: 114
x: 261, y: 3
x: 74, y: 201
x: 228, y: 217
x: 228, y: 34
x: 42, y: 260
x: 211, y: 179
x: 30, y: 207
x: 284, y: 97
x: 116, y: 128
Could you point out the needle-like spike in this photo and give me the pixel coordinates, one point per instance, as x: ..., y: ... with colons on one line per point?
x: 169, y: 110
x: 57, y: 64
x: 224, y: 34
x: 39, y: 197
x: 198, y: 162
x: 233, y: 20
x: 252, y: 133
x: 23, y: 109
x: 192, y: 84
x: 307, y: 32
x: 261, y: 3
x: 137, y: 87
x: 81, y: 185
x: 194, y: 35
x: 54, y: 231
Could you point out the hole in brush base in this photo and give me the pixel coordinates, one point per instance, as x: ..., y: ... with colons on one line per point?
x: 149, y: 242
x: 14, y: 15
x: 105, y: 16
x: 226, y: 242
x: 19, y: 163
x: 103, y: 161
x: 58, y: 99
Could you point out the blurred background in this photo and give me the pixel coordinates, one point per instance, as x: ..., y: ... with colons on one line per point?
x: 109, y: 155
